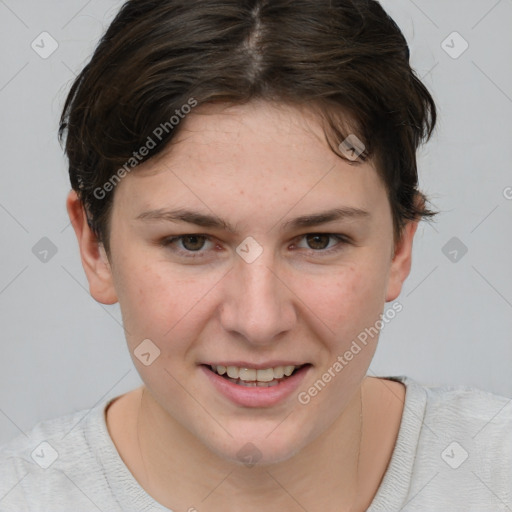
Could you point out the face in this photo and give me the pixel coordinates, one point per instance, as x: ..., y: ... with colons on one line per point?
x: 241, y: 282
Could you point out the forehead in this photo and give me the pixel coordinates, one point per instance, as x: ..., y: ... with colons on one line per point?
x: 259, y: 154
x: 258, y: 126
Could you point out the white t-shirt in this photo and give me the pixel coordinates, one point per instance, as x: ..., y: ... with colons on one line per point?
x: 453, y: 453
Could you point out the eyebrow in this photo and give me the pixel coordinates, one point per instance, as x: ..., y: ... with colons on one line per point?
x: 213, y: 221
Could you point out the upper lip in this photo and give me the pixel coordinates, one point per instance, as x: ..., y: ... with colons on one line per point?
x: 256, y: 366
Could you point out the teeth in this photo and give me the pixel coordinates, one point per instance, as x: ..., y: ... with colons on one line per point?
x: 247, y: 374
x: 288, y: 370
x: 279, y: 372
x: 265, y: 375
x: 233, y: 372
x: 251, y: 375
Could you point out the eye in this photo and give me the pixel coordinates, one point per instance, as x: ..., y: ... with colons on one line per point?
x: 191, y: 244
x: 319, y: 242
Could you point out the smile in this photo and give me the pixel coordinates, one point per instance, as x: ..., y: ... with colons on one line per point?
x: 251, y: 377
x: 251, y: 387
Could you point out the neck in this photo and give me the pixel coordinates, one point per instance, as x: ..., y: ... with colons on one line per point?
x: 181, y: 473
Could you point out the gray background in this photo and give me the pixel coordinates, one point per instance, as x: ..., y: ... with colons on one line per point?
x: 62, y: 351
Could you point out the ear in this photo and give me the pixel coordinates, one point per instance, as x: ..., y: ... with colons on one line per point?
x: 94, y: 258
x: 401, y: 262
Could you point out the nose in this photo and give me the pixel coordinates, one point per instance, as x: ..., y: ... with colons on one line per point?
x: 258, y: 305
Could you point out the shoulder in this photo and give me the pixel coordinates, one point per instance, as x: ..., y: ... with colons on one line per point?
x: 465, y: 444
x: 459, y: 409
x: 477, y: 422
x: 53, y: 466
x: 472, y: 413
x: 453, y: 451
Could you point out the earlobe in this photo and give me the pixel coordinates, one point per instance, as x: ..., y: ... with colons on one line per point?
x: 401, y: 262
x: 94, y: 259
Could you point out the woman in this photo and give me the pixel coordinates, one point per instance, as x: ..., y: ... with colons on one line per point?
x: 245, y: 186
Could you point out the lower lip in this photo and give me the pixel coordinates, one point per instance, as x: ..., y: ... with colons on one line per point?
x: 256, y: 396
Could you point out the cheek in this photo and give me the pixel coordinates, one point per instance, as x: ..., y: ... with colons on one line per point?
x: 347, y: 300
x: 172, y: 307
x: 144, y: 299
x: 161, y: 304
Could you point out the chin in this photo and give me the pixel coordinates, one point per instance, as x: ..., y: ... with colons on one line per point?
x: 259, y: 451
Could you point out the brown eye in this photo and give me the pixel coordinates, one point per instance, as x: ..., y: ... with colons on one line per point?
x: 188, y: 246
x: 318, y: 241
x: 323, y: 243
x: 193, y: 242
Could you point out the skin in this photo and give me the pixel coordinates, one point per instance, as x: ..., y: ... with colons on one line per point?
x: 256, y: 166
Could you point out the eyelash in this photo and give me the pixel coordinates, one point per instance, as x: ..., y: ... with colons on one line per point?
x: 342, y: 241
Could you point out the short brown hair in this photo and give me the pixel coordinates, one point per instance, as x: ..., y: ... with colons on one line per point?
x: 345, y: 59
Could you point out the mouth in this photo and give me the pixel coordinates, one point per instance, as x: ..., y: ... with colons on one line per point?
x: 255, y: 387
x: 255, y: 377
